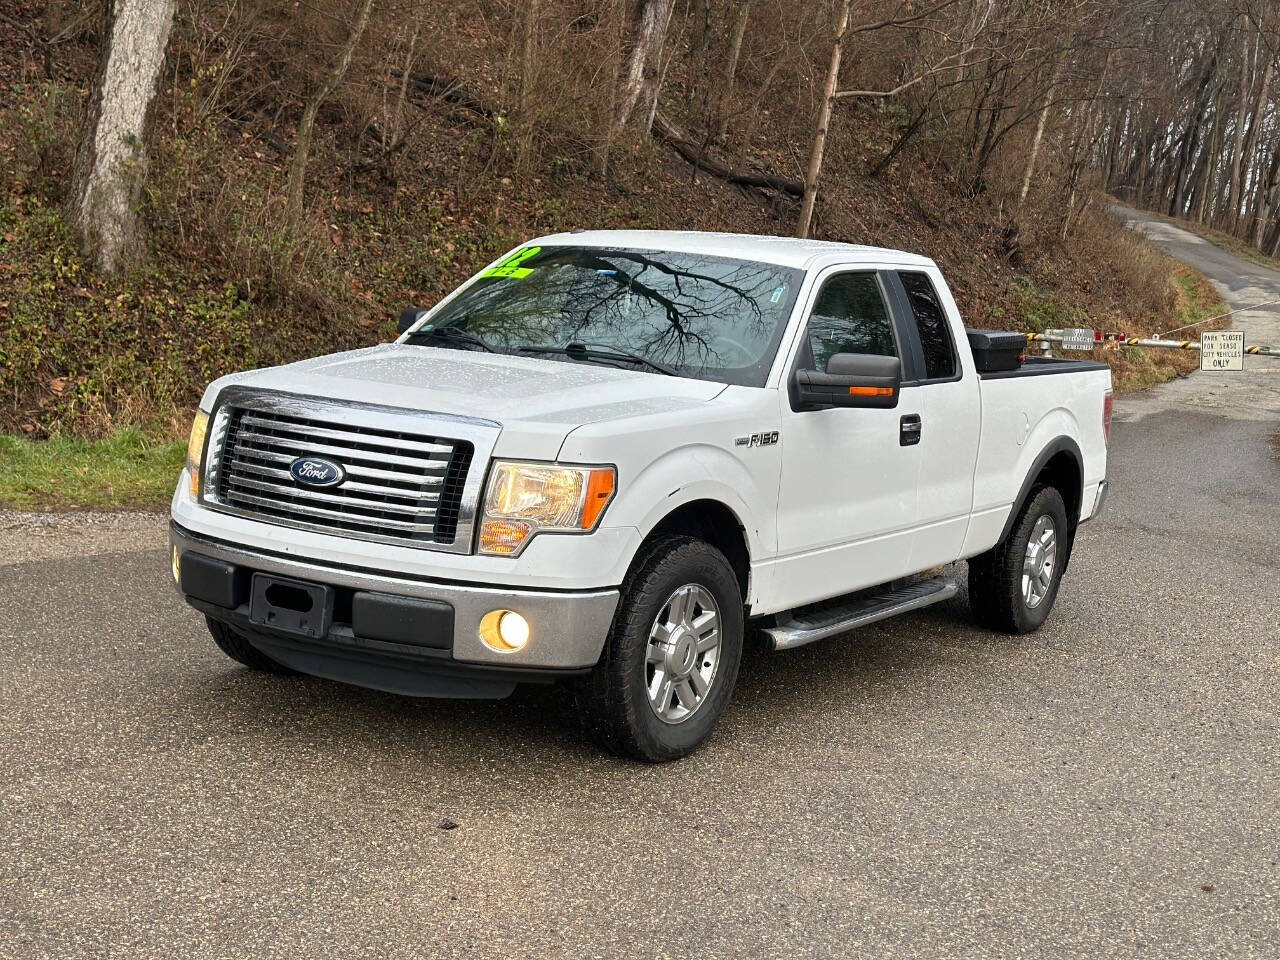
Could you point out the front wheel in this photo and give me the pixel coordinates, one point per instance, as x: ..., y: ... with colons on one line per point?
x: 237, y: 646
x: 671, y: 659
x: 1013, y: 586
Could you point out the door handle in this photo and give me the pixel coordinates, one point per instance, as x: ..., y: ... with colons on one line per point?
x: 909, y: 428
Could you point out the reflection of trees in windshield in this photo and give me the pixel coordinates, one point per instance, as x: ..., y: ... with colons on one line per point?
x: 707, y: 316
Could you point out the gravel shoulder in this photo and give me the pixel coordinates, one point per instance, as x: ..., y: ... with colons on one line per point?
x: 27, y: 537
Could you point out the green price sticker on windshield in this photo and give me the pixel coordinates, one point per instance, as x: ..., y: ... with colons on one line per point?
x: 511, y: 268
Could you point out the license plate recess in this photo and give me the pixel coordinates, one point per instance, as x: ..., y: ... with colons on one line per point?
x: 291, y: 606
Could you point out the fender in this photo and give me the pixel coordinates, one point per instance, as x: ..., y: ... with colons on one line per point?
x: 668, y: 483
x: 699, y: 472
x: 1052, y: 449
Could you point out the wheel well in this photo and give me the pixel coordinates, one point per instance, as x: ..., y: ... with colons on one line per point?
x: 715, y: 523
x: 1063, y: 473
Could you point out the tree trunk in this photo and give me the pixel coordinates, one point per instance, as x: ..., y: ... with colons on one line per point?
x: 1251, y: 141
x: 111, y: 162
x: 1210, y: 163
x: 1040, y: 124
x: 731, y: 67
x: 1140, y: 164
x: 1202, y: 171
x: 1249, y: 190
x: 1197, y: 179
x: 824, y: 121
x: 699, y: 54
x: 989, y: 139
x: 524, y: 125
x: 1237, y: 138
x: 1191, y: 138
x: 1266, y: 196
x: 298, y: 169
x: 528, y: 56
x: 1119, y: 130
x: 392, y: 141
x: 640, y: 80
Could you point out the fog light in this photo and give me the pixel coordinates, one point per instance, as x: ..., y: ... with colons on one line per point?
x: 504, y: 631
x: 176, y: 579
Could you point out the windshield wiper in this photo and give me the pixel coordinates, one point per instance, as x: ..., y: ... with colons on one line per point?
x: 577, y: 350
x: 453, y: 333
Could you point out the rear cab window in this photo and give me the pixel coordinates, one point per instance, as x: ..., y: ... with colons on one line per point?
x: 931, y: 323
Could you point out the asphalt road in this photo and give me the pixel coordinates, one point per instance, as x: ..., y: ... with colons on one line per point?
x: 1255, y: 392
x: 1108, y: 786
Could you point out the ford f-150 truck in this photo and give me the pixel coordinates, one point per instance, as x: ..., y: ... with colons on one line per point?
x: 611, y: 456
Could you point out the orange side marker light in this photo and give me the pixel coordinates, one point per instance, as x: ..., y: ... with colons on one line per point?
x: 871, y: 391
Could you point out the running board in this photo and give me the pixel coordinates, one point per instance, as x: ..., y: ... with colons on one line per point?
x: 842, y: 615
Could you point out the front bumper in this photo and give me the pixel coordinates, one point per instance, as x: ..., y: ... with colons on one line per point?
x: 567, y: 628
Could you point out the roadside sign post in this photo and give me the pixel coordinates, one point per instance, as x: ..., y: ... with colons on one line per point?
x: 1222, y: 350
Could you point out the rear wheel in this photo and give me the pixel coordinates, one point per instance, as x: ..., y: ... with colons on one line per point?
x: 237, y: 646
x: 1013, y: 586
x: 671, y: 659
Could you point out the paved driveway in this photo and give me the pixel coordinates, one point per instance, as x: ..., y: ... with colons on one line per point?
x: 1108, y: 786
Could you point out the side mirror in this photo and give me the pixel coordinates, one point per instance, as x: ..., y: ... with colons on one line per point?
x: 851, y: 380
x: 408, y: 318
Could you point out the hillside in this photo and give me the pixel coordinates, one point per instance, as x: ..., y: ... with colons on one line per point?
x: 406, y: 197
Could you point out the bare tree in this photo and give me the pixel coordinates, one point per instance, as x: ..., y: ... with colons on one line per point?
x: 1242, y: 114
x: 907, y: 15
x: 1236, y: 193
x: 731, y: 66
x: 302, y: 148
x: 820, y: 128
x: 524, y: 120
x: 1040, y: 124
x: 111, y: 162
x: 642, y: 77
x: 528, y: 55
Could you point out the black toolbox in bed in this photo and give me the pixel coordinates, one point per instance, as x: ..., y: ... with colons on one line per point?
x: 996, y: 350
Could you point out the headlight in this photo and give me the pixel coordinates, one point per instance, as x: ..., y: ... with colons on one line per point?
x: 195, y: 449
x: 525, y: 498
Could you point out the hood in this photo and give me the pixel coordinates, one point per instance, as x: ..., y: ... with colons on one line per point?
x: 537, y: 401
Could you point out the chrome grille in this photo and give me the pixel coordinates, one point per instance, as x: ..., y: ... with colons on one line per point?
x: 401, y: 485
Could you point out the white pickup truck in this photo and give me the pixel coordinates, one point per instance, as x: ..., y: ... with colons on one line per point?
x: 610, y: 456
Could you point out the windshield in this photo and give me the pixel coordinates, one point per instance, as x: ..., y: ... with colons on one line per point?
x: 711, y: 318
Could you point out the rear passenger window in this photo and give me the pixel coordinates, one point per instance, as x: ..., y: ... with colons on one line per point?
x: 931, y: 321
x: 850, y: 316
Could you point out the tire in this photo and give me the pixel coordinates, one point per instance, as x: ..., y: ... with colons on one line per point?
x: 614, y: 700
x: 237, y: 646
x: 996, y: 590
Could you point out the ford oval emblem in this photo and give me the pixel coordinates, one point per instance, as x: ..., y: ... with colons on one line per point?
x: 316, y: 472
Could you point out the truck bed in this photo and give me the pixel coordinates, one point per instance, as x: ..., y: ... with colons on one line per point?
x: 1026, y: 412
x: 1044, y: 366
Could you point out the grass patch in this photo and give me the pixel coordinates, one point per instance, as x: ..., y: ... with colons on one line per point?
x: 1041, y: 308
x: 1197, y: 300
x: 125, y: 470
x: 1194, y: 299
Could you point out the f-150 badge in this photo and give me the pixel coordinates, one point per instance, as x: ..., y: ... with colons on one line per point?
x: 757, y: 440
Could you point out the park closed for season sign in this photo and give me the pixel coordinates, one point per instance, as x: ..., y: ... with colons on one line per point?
x: 1222, y: 350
